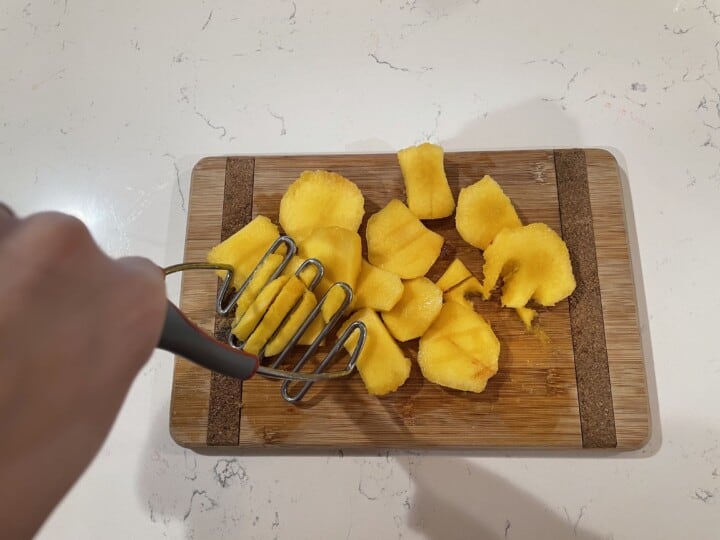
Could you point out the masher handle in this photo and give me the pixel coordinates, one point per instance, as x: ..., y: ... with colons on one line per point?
x: 182, y: 337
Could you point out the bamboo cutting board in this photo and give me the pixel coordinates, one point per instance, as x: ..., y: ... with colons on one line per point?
x: 585, y: 388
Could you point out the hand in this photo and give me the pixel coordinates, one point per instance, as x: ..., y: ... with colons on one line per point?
x: 75, y: 328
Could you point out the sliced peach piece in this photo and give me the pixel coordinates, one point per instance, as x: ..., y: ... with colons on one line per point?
x: 259, y: 280
x: 419, y: 305
x: 313, y: 331
x: 320, y: 199
x: 244, y: 249
x: 292, y: 325
x: 426, y: 186
x: 398, y: 242
x: 333, y: 302
x: 339, y: 250
x: 280, y: 307
x: 376, y: 288
x: 483, y: 210
x: 459, y: 293
x: 459, y: 350
x: 246, y: 322
x: 382, y: 365
x: 533, y: 262
x: 456, y: 273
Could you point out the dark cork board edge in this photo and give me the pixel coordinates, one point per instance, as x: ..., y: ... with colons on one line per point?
x: 223, y: 427
x: 597, y: 417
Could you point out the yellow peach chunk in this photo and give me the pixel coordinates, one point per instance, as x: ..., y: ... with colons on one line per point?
x: 456, y: 273
x: 292, y: 325
x: 459, y: 293
x: 419, y: 304
x: 376, y: 288
x: 426, y: 186
x: 533, y: 262
x: 286, y: 299
x: 259, y: 280
x: 382, y: 365
x: 398, y: 242
x: 333, y: 302
x: 321, y: 199
x: 246, y: 322
x: 313, y: 331
x: 339, y: 250
x: 244, y: 249
x: 459, y: 350
x: 483, y: 210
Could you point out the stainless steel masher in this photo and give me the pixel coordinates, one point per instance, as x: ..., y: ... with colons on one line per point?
x: 182, y: 337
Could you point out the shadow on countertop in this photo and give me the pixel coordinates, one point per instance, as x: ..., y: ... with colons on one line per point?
x: 439, y: 506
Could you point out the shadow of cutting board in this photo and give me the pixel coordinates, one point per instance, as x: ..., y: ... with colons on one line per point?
x: 584, y: 388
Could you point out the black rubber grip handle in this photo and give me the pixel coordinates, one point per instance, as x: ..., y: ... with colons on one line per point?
x: 182, y: 337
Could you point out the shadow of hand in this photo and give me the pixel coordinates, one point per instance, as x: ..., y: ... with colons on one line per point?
x: 457, y: 500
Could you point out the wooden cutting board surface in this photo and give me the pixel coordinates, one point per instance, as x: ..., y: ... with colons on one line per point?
x: 585, y: 388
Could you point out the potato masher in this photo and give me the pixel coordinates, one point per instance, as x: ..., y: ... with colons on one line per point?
x: 182, y: 337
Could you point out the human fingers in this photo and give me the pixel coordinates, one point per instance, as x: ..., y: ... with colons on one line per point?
x: 144, y: 283
x: 7, y: 218
x: 6, y: 210
x: 144, y: 267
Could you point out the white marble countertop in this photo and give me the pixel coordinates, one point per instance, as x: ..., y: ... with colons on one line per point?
x: 106, y: 107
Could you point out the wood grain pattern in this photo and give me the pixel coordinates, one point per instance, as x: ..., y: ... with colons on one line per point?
x: 622, y: 329
x: 532, y: 402
x: 191, y: 383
